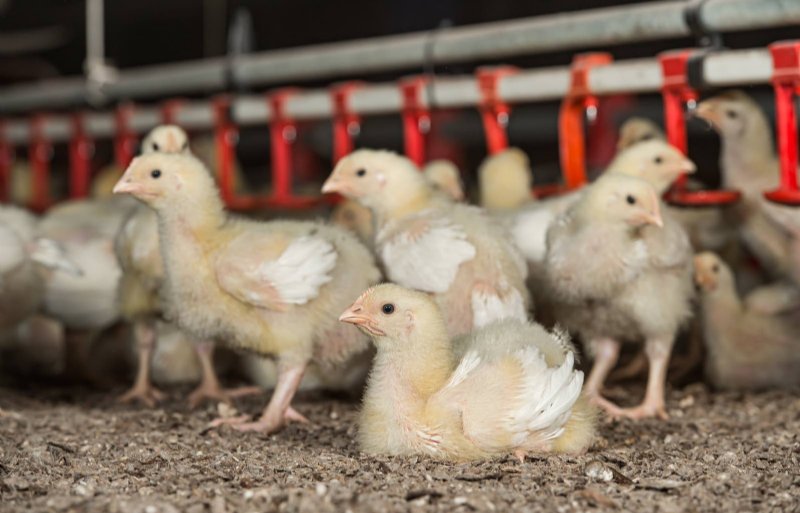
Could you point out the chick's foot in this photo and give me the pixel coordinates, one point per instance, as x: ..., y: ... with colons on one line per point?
x: 214, y: 392
x: 144, y: 393
x: 266, y: 424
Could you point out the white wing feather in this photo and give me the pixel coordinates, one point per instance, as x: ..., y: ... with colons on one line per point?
x: 550, y: 394
x: 301, y: 270
x: 430, y: 261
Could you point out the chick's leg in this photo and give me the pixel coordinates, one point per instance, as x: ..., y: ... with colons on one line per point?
x: 279, y: 410
x: 210, y: 388
x: 658, y: 350
x: 143, y: 390
x: 606, y: 354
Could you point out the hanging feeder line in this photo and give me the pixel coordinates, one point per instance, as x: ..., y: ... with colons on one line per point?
x: 346, y: 123
x: 721, y: 69
x: 416, y: 118
x: 6, y: 163
x: 786, y: 83
x: 125, y: 139
x: 40, y: 153
x: 81, y: 150
x: 677, y: 93
x: 578, y: 103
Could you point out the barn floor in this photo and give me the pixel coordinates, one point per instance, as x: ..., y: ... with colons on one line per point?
x: 75, y: 450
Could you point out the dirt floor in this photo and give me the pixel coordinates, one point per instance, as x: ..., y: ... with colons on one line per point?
x: 76, y: 450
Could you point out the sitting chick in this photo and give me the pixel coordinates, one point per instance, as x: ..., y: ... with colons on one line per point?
x: 271, y: 288
x: 748, y: 348
x: 509, y: 387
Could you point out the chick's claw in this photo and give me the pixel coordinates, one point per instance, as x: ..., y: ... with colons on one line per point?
x: 145, y: 394
x: 265, y: 424
x: 206, y: 392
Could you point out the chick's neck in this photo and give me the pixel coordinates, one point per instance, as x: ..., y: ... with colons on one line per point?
x: 401, y: 201
x: 422, y: 362
x: 750, y: 154
x: 196, y: 214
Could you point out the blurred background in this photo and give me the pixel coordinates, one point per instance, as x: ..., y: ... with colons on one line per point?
x: 42, y: 39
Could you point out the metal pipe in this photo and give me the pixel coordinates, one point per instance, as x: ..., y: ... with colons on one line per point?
x: 723, y: 69
x: 598, y: 27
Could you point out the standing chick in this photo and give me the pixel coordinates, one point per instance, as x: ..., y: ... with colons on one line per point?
x: 749, y: 164
x: 138, y: 251
x: 505, y: 180
x: 747, y: 348
x: 619, y: 271
x: 272, y: 288
x: 513, y: 388
x: 429, y: 243
x: 655, y: 161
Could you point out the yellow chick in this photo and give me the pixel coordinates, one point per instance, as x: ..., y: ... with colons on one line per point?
x: 505, y: 180
x: 636, y: 130
x: 442, y: 174
x: 429, y: 243
x: 138, y: 251
x: 272, y: 288
x: 512, y: 390
x: 445, y: 178
x: 618, y: 270
x: 748, y: 349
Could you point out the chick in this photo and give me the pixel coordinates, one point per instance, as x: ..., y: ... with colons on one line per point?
x: 749, y: 164
x: 636, y: 130
x: 655, y: 161
x: 272, y: 288
x: 429, y: 243
x: 445, y: 177
x: 25, y: 264
x: 505, y: 180
x: 619, y: 270
x: 747, y: 349
x: 513, y: 388
x: 138, y: 251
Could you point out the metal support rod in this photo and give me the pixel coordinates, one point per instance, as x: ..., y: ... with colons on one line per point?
x: 723, y: 69
x: 647, y: 21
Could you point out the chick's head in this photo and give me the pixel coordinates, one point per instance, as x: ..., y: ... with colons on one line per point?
x: 728, y: 113
x: 620, y: 198
x: 160, y: 178
x: 710, y: 272
x: 390, y: 313
x: 445, y: 177
x: 166, y: 139
x: 655, y: 160
x: 375, y: 177
x: 636, y: 130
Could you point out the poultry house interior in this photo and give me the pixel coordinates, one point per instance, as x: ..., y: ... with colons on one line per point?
x: 399, y: 256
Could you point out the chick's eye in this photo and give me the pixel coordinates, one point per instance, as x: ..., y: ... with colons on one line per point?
x: 715, y: 268
x: 155, y: 146
x: 185, y: 145
x: 361, y: 172
x: 659, y: 159
x: 732, y: 114
x: 155, y: 173
x: 630, y: 199
x: 388, y: 308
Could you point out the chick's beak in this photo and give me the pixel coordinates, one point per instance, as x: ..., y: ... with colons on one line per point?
x: 332, y: 184
x: 126, y: 185
x: 688, y: 167
x: 705, y: 111
x: 357, y: 316
x: 654, y: 216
